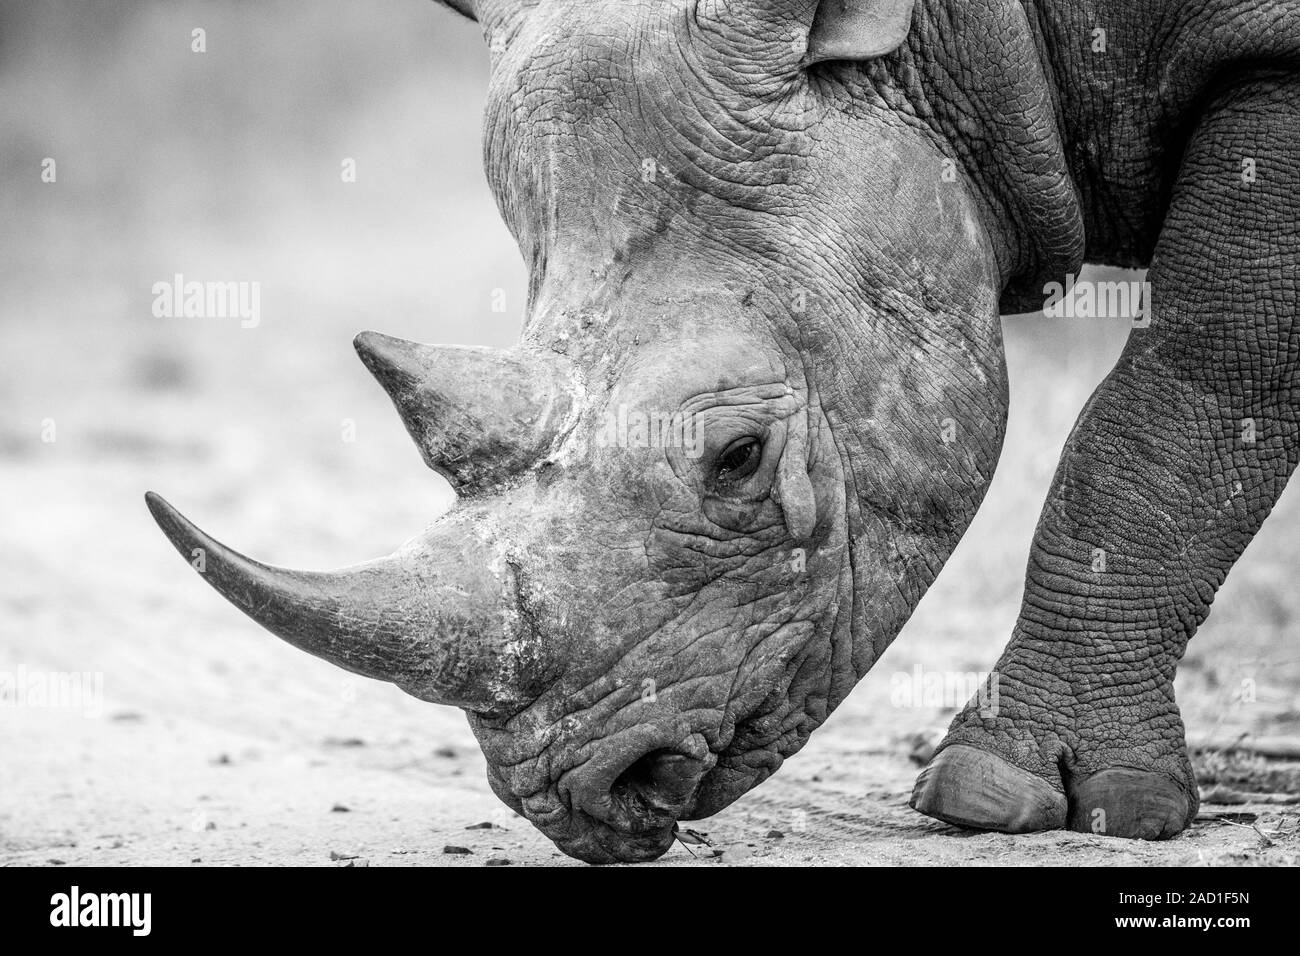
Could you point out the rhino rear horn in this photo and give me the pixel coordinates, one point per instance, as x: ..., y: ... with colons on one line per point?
x: 478, y: 415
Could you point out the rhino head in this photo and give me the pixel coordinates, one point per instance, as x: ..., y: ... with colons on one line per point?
x: 758, y: 397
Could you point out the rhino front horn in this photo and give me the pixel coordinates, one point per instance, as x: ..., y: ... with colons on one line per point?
x: 478, y: 415
x: 437, y: 618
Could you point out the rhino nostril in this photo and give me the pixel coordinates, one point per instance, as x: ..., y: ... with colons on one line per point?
x: 641, y: 784
x: 661, y: 780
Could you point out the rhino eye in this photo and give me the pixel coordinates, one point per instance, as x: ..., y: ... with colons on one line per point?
x: 739, y: 460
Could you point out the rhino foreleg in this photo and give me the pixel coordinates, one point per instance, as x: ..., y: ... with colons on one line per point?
x: 1170, y: 471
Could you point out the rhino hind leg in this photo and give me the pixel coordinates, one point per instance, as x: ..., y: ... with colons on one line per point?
x: 1171, y: 469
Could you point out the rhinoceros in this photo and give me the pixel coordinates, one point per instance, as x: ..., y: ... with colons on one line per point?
x: 760, y: 392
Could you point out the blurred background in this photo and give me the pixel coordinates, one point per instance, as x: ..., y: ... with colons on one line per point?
x: 215, y: 743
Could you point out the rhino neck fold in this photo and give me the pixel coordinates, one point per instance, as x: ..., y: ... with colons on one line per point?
x: 1016, y: 161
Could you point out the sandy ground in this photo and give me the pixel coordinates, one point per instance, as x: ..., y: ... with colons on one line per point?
x: 212, y: 743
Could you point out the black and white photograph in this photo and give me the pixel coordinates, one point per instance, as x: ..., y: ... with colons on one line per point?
x: 649, y: 434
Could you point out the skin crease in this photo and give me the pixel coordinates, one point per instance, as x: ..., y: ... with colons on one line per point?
x: 809, y: 261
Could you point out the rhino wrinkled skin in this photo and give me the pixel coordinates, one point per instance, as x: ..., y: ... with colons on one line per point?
x: 760, y: 393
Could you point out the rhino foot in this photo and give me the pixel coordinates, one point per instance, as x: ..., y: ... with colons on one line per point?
x: 1013, y: 774
x: 974, y: 788
x: 1137, y: 804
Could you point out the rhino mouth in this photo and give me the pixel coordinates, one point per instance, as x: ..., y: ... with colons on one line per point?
x: 624, y: 804
x: 631, y: 811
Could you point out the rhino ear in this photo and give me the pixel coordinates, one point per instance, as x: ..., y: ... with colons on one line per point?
x: 858, y: 29
x: 464, y: 7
